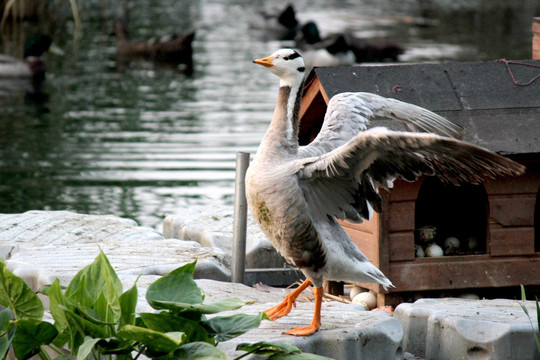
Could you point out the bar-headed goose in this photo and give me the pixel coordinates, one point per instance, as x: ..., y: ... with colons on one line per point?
x: 296, y: 193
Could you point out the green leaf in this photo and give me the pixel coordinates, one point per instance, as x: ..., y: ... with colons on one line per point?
x: 167, y: 322
x: 58, y: 304
x: 86, y: 348
x: 102, y: 311
x: 302, y: 356
x: 538, y: 315
x: 18, y: 296
x: 228, y: 327
x: 524, y: 308
x: 222, y: 305
x: 30, y: 335
x: 278, y: 351
x: 83, y: 327
x: 212, y: 308
x: 177, y: 287
x: 62, y: 339
x: 65, y: 357
x: 265, y: 348
x: 88, y: 285
x: 128, y: 304
x: 156, y: 342
x: 5, y: 317
x: 115, y: 346
x: 199, y: 351
x: 57, y: 299
x: 7, y: 329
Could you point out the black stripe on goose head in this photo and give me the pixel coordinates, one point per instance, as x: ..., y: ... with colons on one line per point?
x: 294, y: 55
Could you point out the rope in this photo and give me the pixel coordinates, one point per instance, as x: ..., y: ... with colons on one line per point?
x: 508, y: 63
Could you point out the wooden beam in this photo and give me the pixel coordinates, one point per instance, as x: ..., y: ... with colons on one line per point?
x: 536, y: 38
x: 311, y: 91
x: 463, y: 272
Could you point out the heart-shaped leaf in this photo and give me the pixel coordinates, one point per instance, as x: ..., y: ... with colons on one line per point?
x: 199, y: 351
x: 18, y: 296
x: 175, y: 290
x: 265, y: 348
x: 86, y: 348
x: 30, y: 335
x: 228, y: 327
x: 167, y: 322
x: 128, y: 304
x: 157, y: 342
x: 7, y: 329
x: 95, y: 280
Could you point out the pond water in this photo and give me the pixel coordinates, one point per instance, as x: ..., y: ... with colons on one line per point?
x: 147, y: 141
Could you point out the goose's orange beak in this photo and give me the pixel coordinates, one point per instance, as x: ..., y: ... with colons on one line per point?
x: 267, y: 61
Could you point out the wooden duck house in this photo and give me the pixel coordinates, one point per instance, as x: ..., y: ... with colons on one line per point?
x: 489, y: 234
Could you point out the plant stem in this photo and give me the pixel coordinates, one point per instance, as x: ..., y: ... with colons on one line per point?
x: 56, y: 348
x: 43, y: 354
x: 246, y: 354
x: 139, y: 353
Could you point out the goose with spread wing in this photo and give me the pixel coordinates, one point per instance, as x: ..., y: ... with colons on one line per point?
x: 296, y: 193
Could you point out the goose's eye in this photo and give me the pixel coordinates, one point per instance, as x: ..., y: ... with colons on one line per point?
x: 286, y: 58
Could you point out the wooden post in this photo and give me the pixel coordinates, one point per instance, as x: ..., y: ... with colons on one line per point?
x: 536, y: 38
x: 240, y: 219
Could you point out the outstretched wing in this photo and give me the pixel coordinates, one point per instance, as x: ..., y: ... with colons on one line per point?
x: 349, y: 113
x: 343, y: 182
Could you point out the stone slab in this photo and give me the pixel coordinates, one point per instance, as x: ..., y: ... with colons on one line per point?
x: 347, y: 332
x: 43, y: 245
x: 213, y: 227
x: 450, y: 328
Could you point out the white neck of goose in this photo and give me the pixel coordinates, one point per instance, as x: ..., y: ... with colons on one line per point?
x: 285, y: 121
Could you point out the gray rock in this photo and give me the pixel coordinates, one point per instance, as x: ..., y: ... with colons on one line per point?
x: 345, y: 334
x: 42, y: 245
x: 213, y: 227
x: 448, y: 329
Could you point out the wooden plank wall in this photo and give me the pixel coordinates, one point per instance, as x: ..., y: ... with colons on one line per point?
x: 512, y: 204
x: 536, y: 39
x: 510, y: 260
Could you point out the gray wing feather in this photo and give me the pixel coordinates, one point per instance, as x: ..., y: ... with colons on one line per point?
x: 342, y: 183
x: 350, y: 113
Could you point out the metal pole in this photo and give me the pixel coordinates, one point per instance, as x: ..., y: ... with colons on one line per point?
x: 240, y: 219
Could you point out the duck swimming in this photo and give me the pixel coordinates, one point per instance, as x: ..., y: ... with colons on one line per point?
x: 296, y: 193
x: 32, y: 67
x: 283, y: 25
x: 330, y: 51
x: 173, y: 48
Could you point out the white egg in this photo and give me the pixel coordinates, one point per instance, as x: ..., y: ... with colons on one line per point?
x: 367, y: 298
x: 451, y: 242
x: 434, y: 250
x: 451, y: 245
x: 418, y: 251
x: 355, y: 290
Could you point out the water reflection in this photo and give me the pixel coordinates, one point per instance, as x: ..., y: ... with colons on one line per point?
x: 149, y: 140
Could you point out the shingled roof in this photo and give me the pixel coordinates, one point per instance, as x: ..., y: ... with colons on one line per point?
x: 497, y: 102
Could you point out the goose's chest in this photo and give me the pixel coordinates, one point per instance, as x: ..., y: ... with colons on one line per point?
x: 273, y: 198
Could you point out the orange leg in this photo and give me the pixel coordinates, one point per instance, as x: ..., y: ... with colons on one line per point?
x: 284, y: 307
x: 316, y: 323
